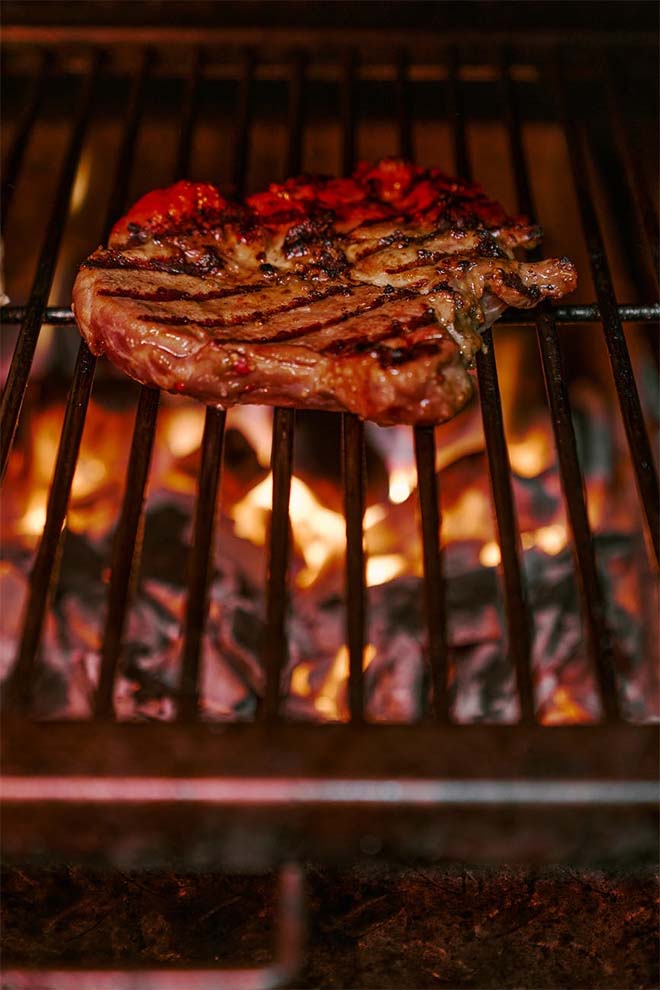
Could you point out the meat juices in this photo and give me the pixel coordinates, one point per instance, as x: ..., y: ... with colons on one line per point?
x: 365, y: 294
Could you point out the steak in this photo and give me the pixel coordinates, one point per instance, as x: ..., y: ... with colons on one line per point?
x: 364, y: 294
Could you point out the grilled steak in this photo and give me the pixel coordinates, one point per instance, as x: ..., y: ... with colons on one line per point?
x: 364, y: 294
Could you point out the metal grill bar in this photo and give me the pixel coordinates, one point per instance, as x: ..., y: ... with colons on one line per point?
x: 12, y: 399
x: 211, y: 462
x: 201, y: 558
x: 44, y: 572
x: 243, y: 120
x: 591, y: 596
x: 434, y: 583
x: 12, y: 166
x: 275, y: 646
x: 577, y: 313
x: 348, y: 110
x: 518, y: 623
x: 624, y: 379
x: 353, y: 459
x: 127, y: 548
x: 630, y: 152
x: 353, y: 463
x: 427, y: 481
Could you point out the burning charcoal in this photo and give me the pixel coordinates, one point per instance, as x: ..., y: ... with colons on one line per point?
x: 483, y: 686
x: 395, y: 679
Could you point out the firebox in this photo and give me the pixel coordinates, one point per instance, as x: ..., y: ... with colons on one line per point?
x: 239, y: 641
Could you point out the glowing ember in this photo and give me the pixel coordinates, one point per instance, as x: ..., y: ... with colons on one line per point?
x: 565, y: 710
x: 403, y: 482
x: 330, y: 700
x: 232, y: 675
x: 318, y: 532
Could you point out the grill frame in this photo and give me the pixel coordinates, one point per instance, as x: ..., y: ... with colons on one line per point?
x: 547, y: 751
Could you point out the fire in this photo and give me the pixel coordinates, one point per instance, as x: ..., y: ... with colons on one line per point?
x: 550, y: 539
x: 531, y: 455
x: 403, y: 481
x: 318, y: 527
x: 330, y: 698
x: 318, y: 533
x: 563, y: 709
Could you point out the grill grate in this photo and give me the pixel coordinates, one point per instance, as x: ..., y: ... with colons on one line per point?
x: 561, y: 752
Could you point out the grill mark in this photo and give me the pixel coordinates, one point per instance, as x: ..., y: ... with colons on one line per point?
x: 393, y: 295
x: 406, y: 240
x: 360, y: 343
x: 236, y: 321
x: 115, y: 261
x: 162, y: 294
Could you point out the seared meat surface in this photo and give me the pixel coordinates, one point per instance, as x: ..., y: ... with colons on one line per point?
x: 364, y: 294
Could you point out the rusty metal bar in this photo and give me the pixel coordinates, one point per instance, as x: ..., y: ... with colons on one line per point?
x: 210, y: 467
x: 12, y: 399
x: 127, y: 548
x: 12, y: 165
x: 624, y: 379
x: 275, y: 644
x: 601, y: 647
x: 518, y: 622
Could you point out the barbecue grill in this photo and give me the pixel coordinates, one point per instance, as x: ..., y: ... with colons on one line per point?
x: 272, y: 793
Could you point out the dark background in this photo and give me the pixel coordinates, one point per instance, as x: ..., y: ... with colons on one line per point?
x: 599, y: 15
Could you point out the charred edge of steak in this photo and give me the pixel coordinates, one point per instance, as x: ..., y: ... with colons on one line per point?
x: 209, y: 264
